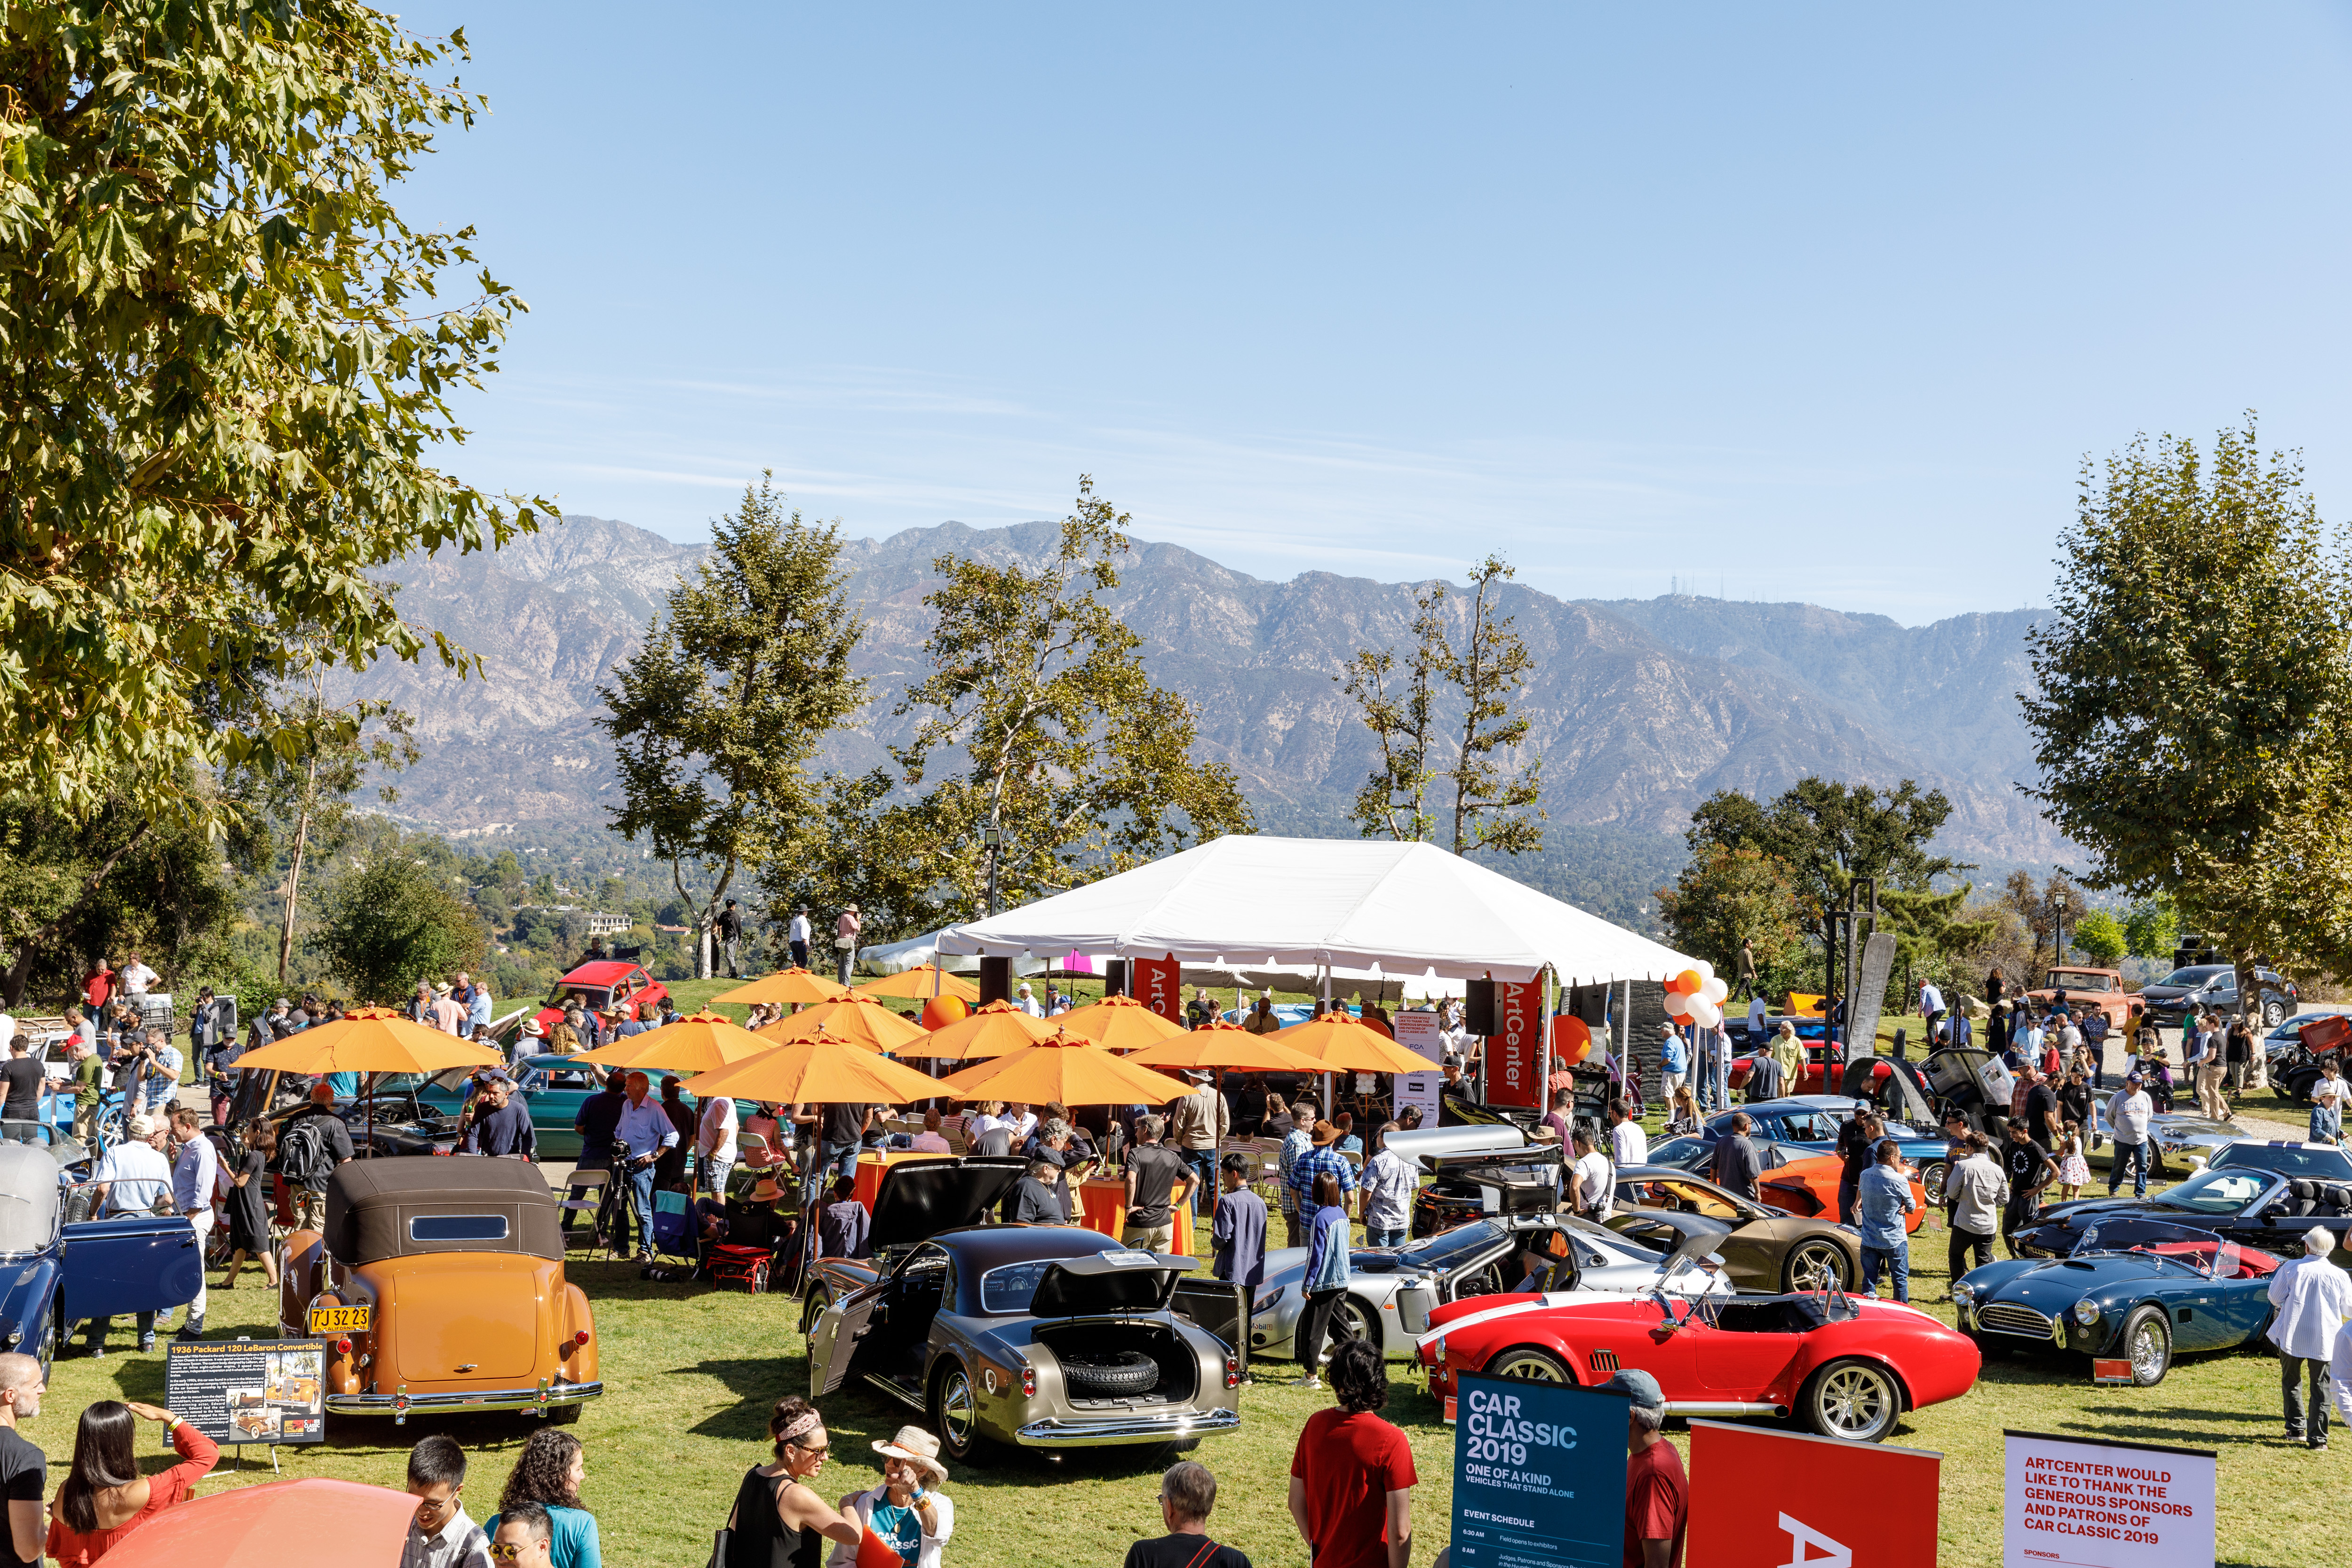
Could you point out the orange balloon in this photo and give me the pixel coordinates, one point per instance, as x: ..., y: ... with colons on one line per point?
x: 1688, y: 981
x: 939, y: 1011
x: 1571, y: 1041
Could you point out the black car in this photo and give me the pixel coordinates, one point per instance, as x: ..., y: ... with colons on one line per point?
x: 2214, y: 987
x: 2271, y: 1210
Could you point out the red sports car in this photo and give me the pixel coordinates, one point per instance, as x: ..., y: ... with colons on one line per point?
x: 602, y: 983
x: 1847, y: 1368
x: 1809, y: 1188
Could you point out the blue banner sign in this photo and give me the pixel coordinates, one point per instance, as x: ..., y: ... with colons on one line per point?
x: 1539, y: 1476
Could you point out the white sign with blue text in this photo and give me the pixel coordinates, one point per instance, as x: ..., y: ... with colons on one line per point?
x: 1539, y: 1476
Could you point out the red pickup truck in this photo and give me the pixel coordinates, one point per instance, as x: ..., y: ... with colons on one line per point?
x: 2101, y: 988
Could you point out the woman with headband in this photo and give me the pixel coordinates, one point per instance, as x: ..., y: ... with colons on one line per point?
x: 777, y: 1517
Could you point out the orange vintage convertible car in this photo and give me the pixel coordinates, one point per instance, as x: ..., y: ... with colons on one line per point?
x: 438, y: 1287
x: 1809, y: 1188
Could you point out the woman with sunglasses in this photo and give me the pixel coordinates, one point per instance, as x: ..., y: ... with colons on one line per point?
x: 777, y: 1518
x: 548, y: 1472
x: 105, y: 1498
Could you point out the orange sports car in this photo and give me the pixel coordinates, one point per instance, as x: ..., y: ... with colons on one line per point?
x: 438, y: 1287
x: 1809, y: 1188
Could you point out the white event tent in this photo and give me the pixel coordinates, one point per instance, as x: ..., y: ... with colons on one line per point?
x: 1382, y: 909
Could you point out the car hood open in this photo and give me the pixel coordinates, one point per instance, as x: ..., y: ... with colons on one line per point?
x: 920, y: 1198
x: 1104, y: 1283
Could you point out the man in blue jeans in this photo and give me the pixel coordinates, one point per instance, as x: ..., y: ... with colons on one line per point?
x: 645, y: 1131
x: 1884, y: 1199
x: 2128, y: 1113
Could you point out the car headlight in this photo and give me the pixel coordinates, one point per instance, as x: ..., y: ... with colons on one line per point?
x: 2086, y: 1311
x: 1269, y: 1298
x: 1964, y: 1291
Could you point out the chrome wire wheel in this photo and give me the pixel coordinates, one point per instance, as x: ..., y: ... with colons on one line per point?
x: 1853, y: 1400
x: 1528, y: 1366
x: 2147, y: 1342
x: 959, y: 1412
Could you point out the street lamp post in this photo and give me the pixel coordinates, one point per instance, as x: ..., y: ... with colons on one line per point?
x: 989, y: 838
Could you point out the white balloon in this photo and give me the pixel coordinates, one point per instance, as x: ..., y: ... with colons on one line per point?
x: 1677, y: 1001
x: 1706, y: 1014
x: 1706, y: 970
x: 1715, y: 991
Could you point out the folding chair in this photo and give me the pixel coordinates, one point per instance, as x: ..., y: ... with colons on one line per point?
x: 592, y: 1205
x: 674, y: 1236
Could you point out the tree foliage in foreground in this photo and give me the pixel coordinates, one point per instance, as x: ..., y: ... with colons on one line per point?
x: 2192, y: 702
x: 715, y: 720
x: 228, y: 368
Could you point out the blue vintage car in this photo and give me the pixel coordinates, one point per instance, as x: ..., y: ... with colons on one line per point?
x: 2140, y: 1290
x: 56, y: 1271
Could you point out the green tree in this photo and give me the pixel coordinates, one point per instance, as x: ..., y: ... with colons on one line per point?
x: 715, y: 720
x: 2152, y: 928
x: 76, y: 887
x: 2192, y: 699
x: 1494, y: 806
x: 2050, y: 911
x: 1070, y: 755
x: 392, y: 922
x: 2101, y: 934
x: 302, y: 799
x: 1724, y: 897
x: 1830, y: 834
x: 227, y: 369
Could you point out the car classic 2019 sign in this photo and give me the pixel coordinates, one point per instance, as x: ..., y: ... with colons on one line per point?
x: 1539, y: 1476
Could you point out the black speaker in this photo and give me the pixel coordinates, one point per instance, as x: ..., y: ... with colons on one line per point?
x: 1589, y: 1003
x: 995, y: 980
x: 1115, y: 977
x: 1478, y: 1008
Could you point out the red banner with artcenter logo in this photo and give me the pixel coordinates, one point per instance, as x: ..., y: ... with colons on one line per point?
x: 1515, y: 1054
x: 1761, y: 1499
x: 1159, y: 986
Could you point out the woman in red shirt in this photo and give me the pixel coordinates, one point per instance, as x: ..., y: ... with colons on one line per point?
x: 106, y: 1498
x: 1351, y: 1480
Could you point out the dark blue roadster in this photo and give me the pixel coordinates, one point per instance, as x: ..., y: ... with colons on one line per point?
x: 2138, y: 1290
x: 54, y: 1272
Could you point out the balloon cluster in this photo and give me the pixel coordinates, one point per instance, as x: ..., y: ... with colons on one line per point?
x: 1695, y: 997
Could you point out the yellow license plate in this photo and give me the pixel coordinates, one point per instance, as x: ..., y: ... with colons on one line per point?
x: 340, y: 1320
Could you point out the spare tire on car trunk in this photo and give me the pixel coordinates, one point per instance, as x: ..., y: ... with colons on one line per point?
x: 1109, y: 1375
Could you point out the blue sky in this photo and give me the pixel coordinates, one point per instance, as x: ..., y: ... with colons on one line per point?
x: 1821, y: 303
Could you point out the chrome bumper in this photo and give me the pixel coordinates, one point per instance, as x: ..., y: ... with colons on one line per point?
x: 400, y: 1406
x: 1125, y: 1429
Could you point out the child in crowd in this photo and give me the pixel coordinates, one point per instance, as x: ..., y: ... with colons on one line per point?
x: 2074, y: 1171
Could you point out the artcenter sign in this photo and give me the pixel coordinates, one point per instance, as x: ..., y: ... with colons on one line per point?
x: 2077, y: 1502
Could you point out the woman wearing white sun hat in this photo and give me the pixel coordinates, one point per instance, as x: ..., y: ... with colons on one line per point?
x: 907, y: 1511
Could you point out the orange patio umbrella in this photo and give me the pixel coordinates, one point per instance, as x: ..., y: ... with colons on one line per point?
x: 1340, y: 1043
x: 920, y: 984
x: 699, y: 1043
x: 992, y: 1031
x: 1226, y: 1046
x: 859, y: 1019
x: 821, y: 1068
x: 1119, y: 1023
x: 785, y: 986
x: 1067, y: 1069
x: 371, y: 1040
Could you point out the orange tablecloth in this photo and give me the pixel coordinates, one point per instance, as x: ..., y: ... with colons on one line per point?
x: 871, y: 1165
x: 1102, y: 1205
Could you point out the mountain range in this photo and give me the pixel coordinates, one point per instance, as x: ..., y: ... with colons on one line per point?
x: 1639, y: 708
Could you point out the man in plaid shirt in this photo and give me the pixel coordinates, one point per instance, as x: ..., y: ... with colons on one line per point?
x: 1320, y: 1157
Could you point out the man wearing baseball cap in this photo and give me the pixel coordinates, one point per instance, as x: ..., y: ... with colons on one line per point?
x: 2128, y: 1110
x: 1657, y: 1493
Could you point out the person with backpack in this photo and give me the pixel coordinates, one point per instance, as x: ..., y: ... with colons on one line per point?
x: 314, y: 1142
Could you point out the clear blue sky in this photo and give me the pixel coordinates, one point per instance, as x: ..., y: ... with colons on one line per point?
x: 1793, y: 302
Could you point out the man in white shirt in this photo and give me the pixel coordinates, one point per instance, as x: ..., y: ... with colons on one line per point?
x: 194, y: 1174
x: 714, y: 1143
x: 1756, y: 1015
x: 133, y: 1178
x: 1389, y: 1182
x: 2311, y: 1298
x: 647, y: 1130
x: 1027, y: 1002
x: 1628, y: 1144
x: 1596, y: 1179
x: 796, y: 936
x: 2128, y: 1110
x: 441, y: 1535
x: 1931, y: 1007
x: 135, y: 977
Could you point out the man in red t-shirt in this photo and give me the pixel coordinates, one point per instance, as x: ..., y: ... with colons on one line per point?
x: 99, y: 986
x: 1658, y: 1495
x: 1351, y: 1480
